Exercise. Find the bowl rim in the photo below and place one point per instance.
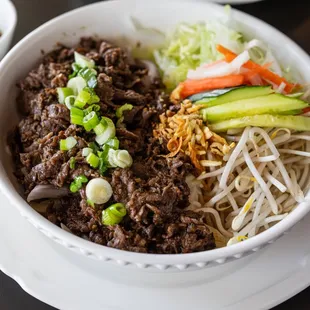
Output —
(13, 21)
(107, 253)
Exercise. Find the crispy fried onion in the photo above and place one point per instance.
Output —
(186, 132)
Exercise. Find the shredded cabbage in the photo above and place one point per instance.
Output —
(190, 45)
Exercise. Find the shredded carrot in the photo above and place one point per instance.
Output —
(263, 71)
(190, 87)
(305, 110)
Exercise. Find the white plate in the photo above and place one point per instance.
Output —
(39, 266)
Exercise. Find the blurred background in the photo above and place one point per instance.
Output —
(291, 17)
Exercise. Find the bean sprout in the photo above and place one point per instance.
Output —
(260, 181)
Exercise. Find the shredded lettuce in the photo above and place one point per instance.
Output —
(190, 45)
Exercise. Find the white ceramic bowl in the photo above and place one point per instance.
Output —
(111, 20)
(8, 19)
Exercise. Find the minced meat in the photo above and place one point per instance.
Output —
(153, 189)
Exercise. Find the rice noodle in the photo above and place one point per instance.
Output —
(271, 200)
(233, 157)
(261, 180)
(218, 221)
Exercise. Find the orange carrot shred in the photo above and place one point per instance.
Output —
(262, 70)
(191, 87)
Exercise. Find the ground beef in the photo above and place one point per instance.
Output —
(153, 189)
(156, 194)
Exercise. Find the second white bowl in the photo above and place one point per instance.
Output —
(8, 20)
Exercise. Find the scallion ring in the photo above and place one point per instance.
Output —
(98, 191)
(82, 99)
(111, 158)
(119, 158)
(67, 144)
(113, 143)
(105, 130)
(77, 84)
(72, 163)
(90, 121)
(120, 110)
(109, 219)
(69, 101)
(76, 68)
(93, 146)
(76, 116)
(83, 61)
(63, 93)
(113, 215)
(93, 160)
(78, 183)
(86, 151)
(90, 76)
(118, 209)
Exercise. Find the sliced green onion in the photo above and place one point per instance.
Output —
(76, 116)
(93, 107)
(103, 156)
(96, 107)
(69, 101)
(118, 209)
(76, 68)
(90, 121)
(119, 158)
(63, 93)
(67, 144)
(113, 143)
(114, 214)
(120, 110)
(78, 183)
(86, 151)
(111, 158)
(109, 219)
(74, 187)
(105, 130)
(72, 163)
(98, 190)
(76, 84)
(83, 61)
(105, 152)
(90, 76)
(81, 179)
(93, 146)
(123, 159)
(82, 99)
(93, 160)
(86, 73)
(94, 97)
(103, 167)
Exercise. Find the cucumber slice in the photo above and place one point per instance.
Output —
(211, 94)
(300, 123)
(269, 104)
(237, 93)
